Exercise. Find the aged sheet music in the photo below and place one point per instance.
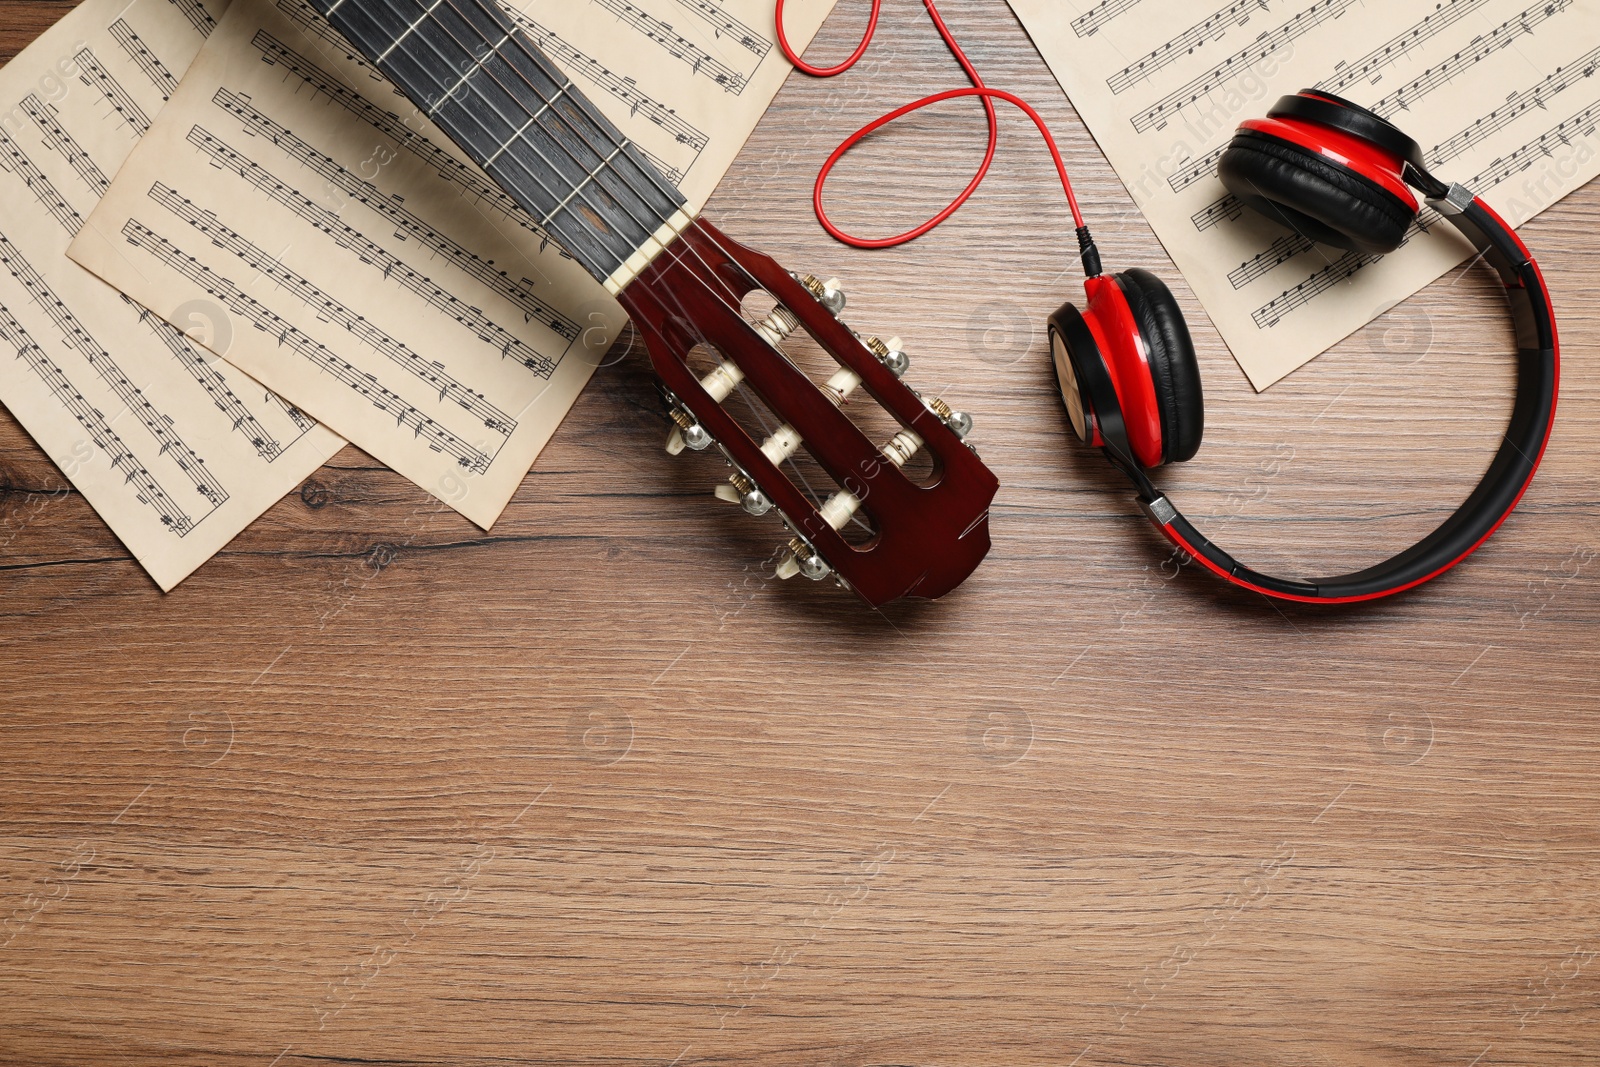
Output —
(176, 450)
(1501, 95)
(373, 276)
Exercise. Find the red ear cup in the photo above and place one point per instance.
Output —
(1326, 168)
(1123, 347)
(1174, 370)
(1127, 370)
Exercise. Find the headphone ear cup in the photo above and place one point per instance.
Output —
(1173, 366)
(1327, 201)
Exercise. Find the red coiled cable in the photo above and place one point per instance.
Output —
(978, 89)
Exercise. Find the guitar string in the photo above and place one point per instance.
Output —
(519, 39)
(516, 37)
(674, 251)
(581, 190)
(676, 248)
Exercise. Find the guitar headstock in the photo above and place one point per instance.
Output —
(927, 535)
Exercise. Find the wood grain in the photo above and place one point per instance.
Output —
(376, 786)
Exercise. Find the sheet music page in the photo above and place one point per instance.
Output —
(1500, 94)
(368, 271)
(175, 449)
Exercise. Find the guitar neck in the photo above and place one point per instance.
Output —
(471, 70)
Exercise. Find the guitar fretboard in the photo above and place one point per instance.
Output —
(485, 83)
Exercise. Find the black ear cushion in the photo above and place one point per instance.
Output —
(1326, 201)
(1173, 365)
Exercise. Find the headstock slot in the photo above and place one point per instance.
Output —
(928, 537)
(802, 467)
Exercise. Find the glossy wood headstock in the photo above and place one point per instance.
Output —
(927, 537)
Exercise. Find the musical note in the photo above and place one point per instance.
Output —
(1517, 105)
(95, 76)
(197, 15)
(1441, 74)
(1397, 48)
(436, 437)
(1088, 23)
(144, 59)
(676, 45)
(682, 133)
(192, 360)
(1227, 209)
(363, 192)
(64, 144)
(332, 310)
(1202, 85)
(1339, 271)
(725, 25)
(1581, 125)
(1165, 92)
(296, 416)
(16, 161)
(160, 426)
(1274, 256)
(306, 17)
(1212, 28)
(370, 253)
(146, 489)
(1204, 167)
(441, 162)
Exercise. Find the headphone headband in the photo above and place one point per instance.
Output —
(1325, 109)
(1502, 486)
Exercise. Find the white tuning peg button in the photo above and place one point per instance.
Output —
(726, 376)
(838, 510)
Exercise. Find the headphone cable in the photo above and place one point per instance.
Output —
(1086, 245)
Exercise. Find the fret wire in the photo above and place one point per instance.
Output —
(586, 181)
(675, 251)
(523, 129)
(538, 58)
(476, 66)
(483, 65)
(578, 100)
(480, 64)
(409, 30)
(581, 101)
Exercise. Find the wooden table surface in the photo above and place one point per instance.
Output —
(375, 786)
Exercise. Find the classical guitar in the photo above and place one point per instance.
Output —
(477, 76)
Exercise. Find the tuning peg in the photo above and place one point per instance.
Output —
(830, 294)
(960, 422)
(802, 559)
(726, 376)
(889, 354)
(838, 510)
(741, 489)
(688, 433)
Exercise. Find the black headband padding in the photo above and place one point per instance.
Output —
(1513, 464)
(1327, 202)
(1325, 109)
(1173, 365)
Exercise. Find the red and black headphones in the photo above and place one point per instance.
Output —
(1336, 173)
(1343, 176)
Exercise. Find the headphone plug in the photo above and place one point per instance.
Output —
(1090, 253)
